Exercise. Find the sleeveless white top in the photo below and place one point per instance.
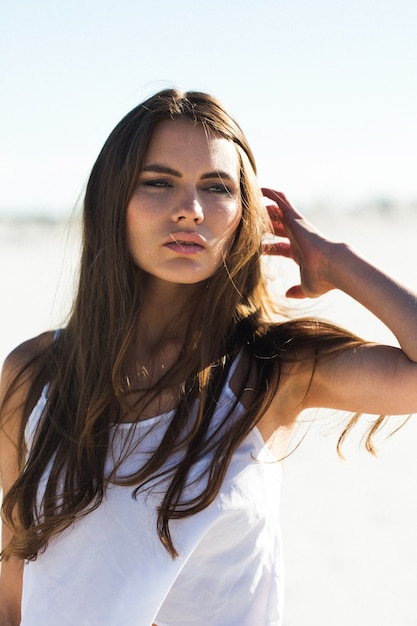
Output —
(110, 568)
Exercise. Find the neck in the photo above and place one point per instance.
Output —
(162, 326)
(165, 312)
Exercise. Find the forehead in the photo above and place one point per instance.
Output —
(188, 142)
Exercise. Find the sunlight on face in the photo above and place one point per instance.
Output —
(185, 209)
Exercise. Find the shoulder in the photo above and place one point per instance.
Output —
(17, 372)
(31, 348)
(15, 385)
(284, 354)
(279, 369)
(25, 353)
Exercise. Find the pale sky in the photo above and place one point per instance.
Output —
(326, 90)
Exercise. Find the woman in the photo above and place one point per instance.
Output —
(139, 443)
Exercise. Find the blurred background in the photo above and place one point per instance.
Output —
(326, 92)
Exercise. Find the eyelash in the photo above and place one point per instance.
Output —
(164, 184)
(156, 183)
(218, 188)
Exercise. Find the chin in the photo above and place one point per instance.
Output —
(179, 280)
(186, 278)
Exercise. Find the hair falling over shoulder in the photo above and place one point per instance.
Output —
(83, 367)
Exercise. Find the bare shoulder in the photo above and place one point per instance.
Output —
(26, 352)
(17, 362)
(289, 399)
(294, 379)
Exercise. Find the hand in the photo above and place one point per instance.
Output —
(303, 243)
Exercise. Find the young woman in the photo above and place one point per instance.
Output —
(139, 443)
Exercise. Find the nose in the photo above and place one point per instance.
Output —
(188, 208)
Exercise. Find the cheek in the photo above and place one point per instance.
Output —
(136, 229)
(130, 229)
(235, 217)
(137, 218)
(231, 227)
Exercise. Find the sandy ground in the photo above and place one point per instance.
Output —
(348, 525)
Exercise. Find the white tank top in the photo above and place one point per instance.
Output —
(110, 568)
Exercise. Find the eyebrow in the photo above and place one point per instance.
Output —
(164, 169)
(217, 174)
(161, 169)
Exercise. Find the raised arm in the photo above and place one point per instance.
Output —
(372, 379)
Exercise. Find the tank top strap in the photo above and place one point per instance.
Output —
(233, 369)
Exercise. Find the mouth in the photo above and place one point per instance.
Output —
(186, 243)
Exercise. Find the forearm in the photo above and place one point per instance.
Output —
(8, 619)
(391, 302)
(10, 592)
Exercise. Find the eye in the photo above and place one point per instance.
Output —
(157, 183)
(217, 188)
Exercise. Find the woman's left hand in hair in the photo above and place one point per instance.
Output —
(326, 264)
(302, 242)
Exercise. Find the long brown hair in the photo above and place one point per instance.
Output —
(84, 365)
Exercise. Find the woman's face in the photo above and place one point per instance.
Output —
(184, 211)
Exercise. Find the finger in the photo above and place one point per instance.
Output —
(279, 229)
(272, 194)
(296, 292)
(279, 248)
(277, 220)
(286, 207)
(274, 212)
(276, 196)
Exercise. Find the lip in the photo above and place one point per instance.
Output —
(187, 238)
(185, 243)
